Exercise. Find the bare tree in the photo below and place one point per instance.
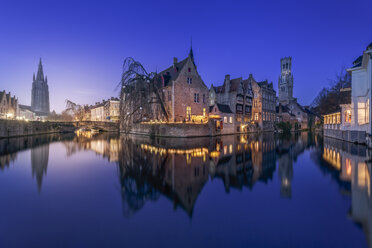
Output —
(141, 97)
(329, 98)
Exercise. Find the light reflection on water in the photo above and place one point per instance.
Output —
(102, 173)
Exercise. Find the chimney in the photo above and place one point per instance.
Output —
(227, 83)
(175, 61)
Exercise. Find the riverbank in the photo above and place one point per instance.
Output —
(17, 128)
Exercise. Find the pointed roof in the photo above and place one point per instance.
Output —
(40, 73)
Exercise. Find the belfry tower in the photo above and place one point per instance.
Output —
(285, 84)
(40, 92)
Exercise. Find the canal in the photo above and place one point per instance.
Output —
(104, 190)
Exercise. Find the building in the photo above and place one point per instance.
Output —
(183, 93)
(8, 106)
(237, 94)
(264, 103)
(285, 86)
(285, 83)
(40, 93)
(97, 112)
(352, 123)
(25, 113)
(112, 110)
(223, 118)
(107, 110)
(361, 82)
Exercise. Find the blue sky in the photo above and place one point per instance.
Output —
(83, 43)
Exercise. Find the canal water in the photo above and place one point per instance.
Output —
(102, 190)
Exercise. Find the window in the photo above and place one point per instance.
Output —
(363, 112)
(189, 80)
(196, 97)
(230, 119)
(225, 119)
(239, 98)
(264, 116)
(256, 116)
(203, 112)
(189, 69)
(169, 95)
(188, 112)
(247, 109)
(347, 115)
(239, 108)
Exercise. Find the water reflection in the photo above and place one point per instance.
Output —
(350, 166)
(179, 169)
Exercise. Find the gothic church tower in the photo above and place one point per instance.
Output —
(285, 84)
(40, 92)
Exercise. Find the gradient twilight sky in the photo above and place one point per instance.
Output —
(83, 43)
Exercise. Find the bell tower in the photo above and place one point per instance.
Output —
(285, 84)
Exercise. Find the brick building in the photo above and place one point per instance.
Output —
(8, 106)
(182, 92)
(237, 94)
(264, 104)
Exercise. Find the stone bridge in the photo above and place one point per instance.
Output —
(91, 125)
(13, 128)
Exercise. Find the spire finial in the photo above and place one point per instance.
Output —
(40, 73)
(191, 54)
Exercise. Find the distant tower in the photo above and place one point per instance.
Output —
(285, 84)
(40, 92)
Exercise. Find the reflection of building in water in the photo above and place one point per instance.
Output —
(179, 168)
(5, 160)
(39, 163)
(105, 144)
(178, 174)
(242, 160)
(349, 161)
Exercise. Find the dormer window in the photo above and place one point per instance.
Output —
(189, 80)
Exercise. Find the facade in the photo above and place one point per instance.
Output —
(285, 83)
(184, 95)
(264, 104)
(237, 94)
(8, 106)
(40, 93)
(25, 113)
(97, 112)
(223, 118)
(107, 110)
(304, 117)
(111, 109)
(353, 123)
(361, 82)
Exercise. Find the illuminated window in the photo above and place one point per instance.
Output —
(256, 116)
(203, 112)
(363, 112)
(225, 119)
(347, 115)
(188, 112)
(231, 119)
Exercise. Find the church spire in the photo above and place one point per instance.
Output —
(191, 54)
(40, 73)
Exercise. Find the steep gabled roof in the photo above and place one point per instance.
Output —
(222, 108)
(171, 73)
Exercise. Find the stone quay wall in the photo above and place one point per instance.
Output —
(14, 128)
(180, 130)
(346, 135)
